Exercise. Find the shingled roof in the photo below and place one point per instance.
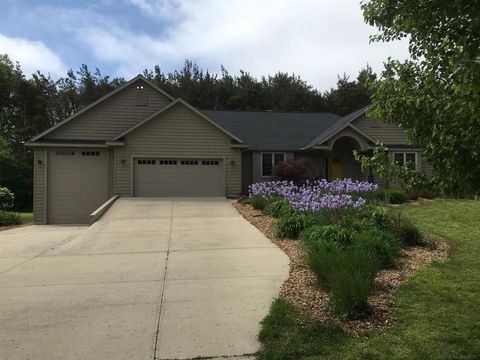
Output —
(270, 130)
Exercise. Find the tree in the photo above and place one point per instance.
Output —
(434, 95)
(350, 96)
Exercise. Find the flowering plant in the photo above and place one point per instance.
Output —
(315, 196)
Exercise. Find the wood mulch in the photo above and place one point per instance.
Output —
(303, 290)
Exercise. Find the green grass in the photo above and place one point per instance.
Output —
(27, 217)
(436, 314)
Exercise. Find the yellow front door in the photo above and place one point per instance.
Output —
(336, 168)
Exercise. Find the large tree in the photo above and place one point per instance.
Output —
(434, 95)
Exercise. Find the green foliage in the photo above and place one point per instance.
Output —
(351, 281)
(406, 231)
(395, 196)
(330, 233)
(380, 245)
(6, 198)
(287, 334)
(279, 206)
(9, 218)
(443, 293)
(322, 256)
(291, 225)
(434, 95)
(258, 202)
(384, 166)
(350, 96)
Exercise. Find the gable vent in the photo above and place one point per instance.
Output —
(141, 99)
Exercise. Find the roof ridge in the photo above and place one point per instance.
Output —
(272, 112)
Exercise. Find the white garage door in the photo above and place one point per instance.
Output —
(178, 177)
(77, 184)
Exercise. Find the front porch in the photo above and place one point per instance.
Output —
(336, 161)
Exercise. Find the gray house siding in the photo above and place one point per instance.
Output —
(177, 133)
(386, 133)
(112, 116)
(39, 185)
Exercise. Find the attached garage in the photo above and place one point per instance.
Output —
(178, 177)
(77, 184)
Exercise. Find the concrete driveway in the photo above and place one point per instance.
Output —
(155, 278)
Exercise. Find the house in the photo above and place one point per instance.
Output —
(139, 141)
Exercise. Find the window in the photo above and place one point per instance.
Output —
(146, 162)
(189, 162)
(269, 160)
(90, 153)
(409, 159)
(210, 162)
(167, 162)
(65, 153)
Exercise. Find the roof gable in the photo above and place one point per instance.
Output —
(102, 100)
(169, 106)
(339, 126)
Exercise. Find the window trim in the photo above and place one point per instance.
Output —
(272, 153)
(404, 154)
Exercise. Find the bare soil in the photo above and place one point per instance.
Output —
(303, 290)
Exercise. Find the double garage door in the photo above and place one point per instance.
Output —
(178, 177)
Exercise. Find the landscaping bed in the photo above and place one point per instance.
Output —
(302, 288)
(306, 289)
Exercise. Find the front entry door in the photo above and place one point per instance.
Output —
(335, 168)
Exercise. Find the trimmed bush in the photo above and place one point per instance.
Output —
(291, 225)
(396, 196)
(278, 207)
(9, 218)
(332, 233)
(381, 245)
(351, 283)
(258, 202)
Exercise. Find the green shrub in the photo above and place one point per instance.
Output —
(258, 202)
(332, 233)
(374, 216)
(380, 244)
(407, 232)
(351, 283)
(396, 196)
(291, 225)
(9, 218)
(6, 198)
(372, 197)
(322, 257)
(278, 207)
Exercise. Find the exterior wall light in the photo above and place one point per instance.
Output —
(232, 162)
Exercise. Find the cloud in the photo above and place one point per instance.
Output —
(32, 55)
(316, 39)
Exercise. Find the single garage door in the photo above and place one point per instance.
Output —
(77, 184)
(178, 177)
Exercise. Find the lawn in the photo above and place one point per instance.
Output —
(436, 314)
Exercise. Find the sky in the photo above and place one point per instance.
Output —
(315, 39)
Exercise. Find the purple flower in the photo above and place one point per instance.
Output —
(315, 196)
